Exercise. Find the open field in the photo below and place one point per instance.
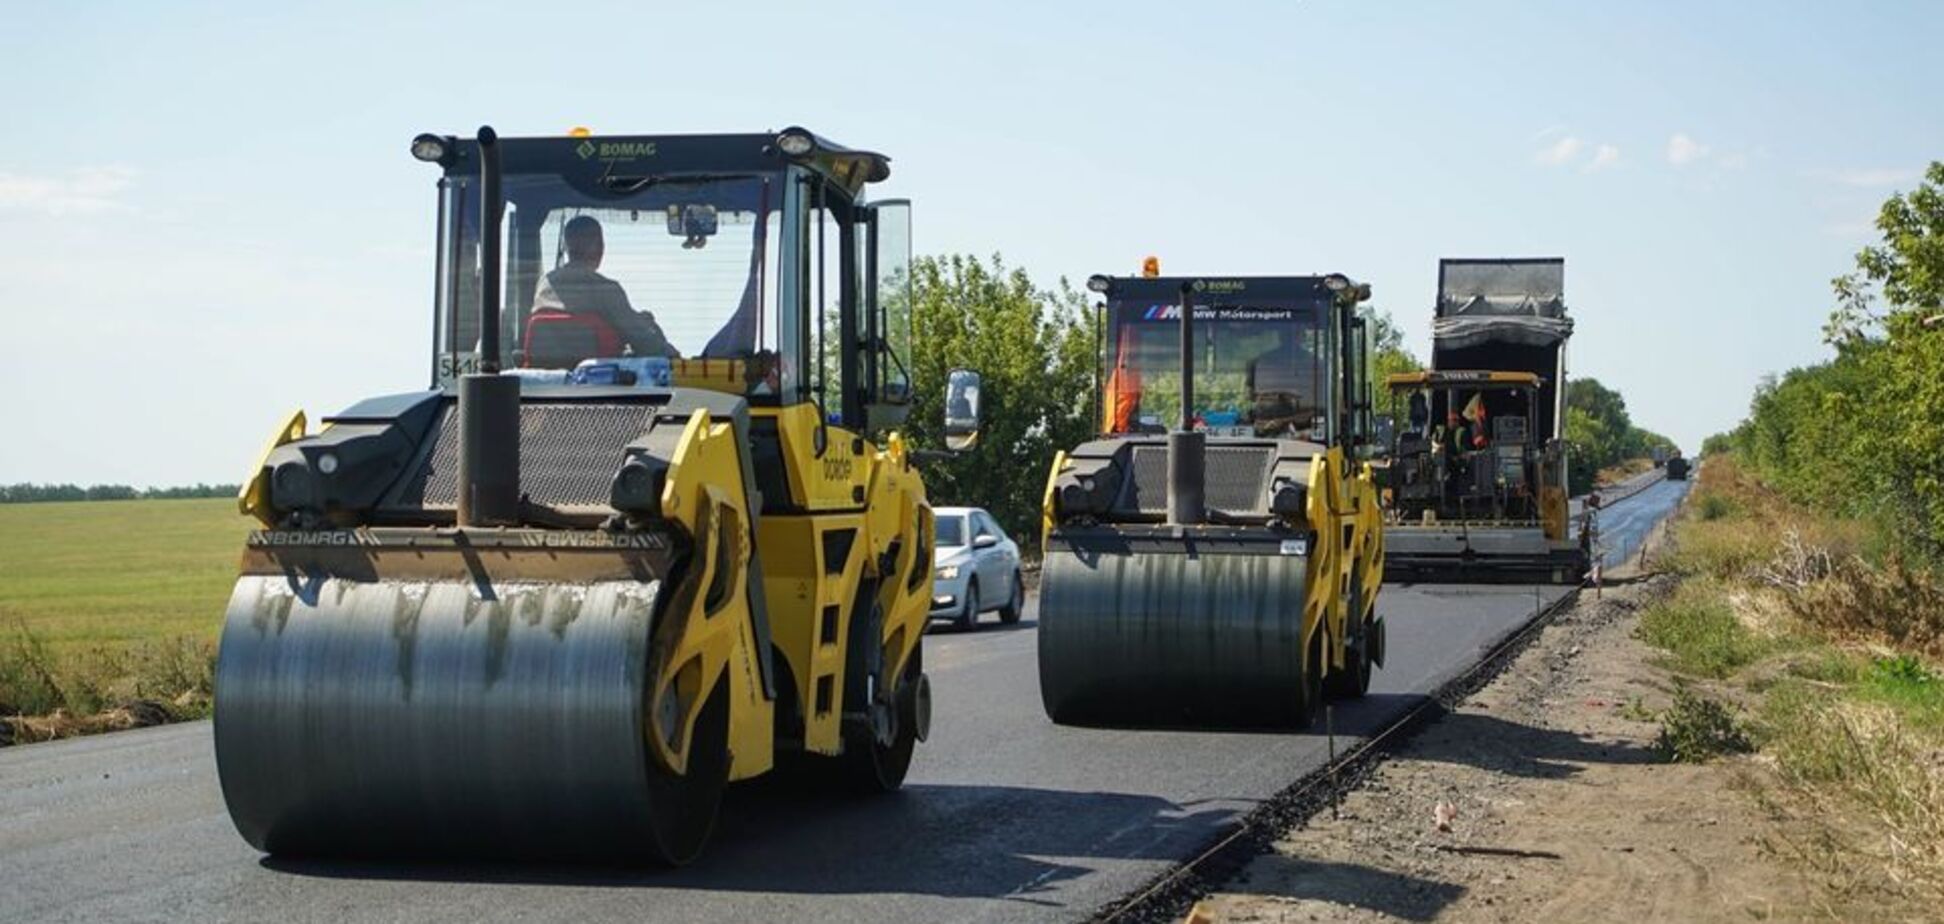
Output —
(112, 573)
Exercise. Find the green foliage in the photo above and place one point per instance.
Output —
(1600, 433)
(1035, 349)
(1863, 434)
(1387, 353)
(1696, 729)
(1700, 632)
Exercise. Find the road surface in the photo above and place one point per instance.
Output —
(1006, 817)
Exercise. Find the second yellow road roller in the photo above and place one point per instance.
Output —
(1214, 557)
(648, 530)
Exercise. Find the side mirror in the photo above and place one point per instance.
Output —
(985, 541)
(962, 410)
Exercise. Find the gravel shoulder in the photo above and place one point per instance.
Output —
(1558, 807)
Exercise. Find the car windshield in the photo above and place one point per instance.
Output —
(1259, 370)
(951, 532)
(679, 267)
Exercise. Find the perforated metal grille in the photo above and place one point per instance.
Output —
(568, 454)
(1237, 479)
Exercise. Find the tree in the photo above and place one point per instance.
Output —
(1036, 351)
(1862, 434)
(1387, 353)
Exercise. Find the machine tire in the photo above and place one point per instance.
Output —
(1010, 613)
(1310, 697)
(968, 618)
(872, 767)
(684, 807)
(1354, 680)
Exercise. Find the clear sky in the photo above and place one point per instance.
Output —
(208, 216)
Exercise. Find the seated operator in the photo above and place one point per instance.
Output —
(1281, 382)
(577, 287)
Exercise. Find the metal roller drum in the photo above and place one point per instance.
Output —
(1167, 637)
(384, 716)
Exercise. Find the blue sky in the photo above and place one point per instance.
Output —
(208, 216)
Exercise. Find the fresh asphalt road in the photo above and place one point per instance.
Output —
(1006, 817)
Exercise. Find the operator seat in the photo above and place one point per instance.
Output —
(558, 339)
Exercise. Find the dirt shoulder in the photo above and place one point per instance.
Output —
(1560, 807)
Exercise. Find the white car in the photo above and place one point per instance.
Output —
(977, 568)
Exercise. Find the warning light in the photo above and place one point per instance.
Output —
(580, 131)
(1151, 267)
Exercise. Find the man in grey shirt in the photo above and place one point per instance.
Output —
(577, 287)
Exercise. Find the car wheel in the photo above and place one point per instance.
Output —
(969, 618)
(1009, 614)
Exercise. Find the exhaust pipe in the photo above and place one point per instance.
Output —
(1186, 445)
(489, 401)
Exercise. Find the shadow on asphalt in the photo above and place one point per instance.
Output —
(981, 842)
(988, 623)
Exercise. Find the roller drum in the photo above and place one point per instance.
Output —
(1168, 637)
(367, 717)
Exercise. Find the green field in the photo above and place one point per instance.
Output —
(112, 573)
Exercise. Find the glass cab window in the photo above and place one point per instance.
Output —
(682, 269)
(1259, 370)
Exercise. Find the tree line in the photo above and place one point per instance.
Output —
(1600, 433)
(35, 493)
(1861, 434)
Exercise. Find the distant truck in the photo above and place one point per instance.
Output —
(1477, 468)
(1677, 467)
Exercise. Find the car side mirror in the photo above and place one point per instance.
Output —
(962, 411)
(985, 541)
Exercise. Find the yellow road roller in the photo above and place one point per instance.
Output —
(648, 530)
(1213, 558)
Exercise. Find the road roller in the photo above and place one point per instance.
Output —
(648, 530)
(1213, 557)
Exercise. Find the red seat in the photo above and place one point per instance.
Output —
(561, 339)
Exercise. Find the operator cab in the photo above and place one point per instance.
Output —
(1264, 364)
(749, 264)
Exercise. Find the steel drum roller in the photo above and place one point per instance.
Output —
(1166, 636)
(394, 715)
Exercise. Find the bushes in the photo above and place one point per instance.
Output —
(1700, 632)
(1696, 729)
(44, 695)
(1862, 435)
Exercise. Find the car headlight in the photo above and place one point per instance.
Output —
(948, 573)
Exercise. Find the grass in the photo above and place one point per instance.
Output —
(1837, 644)
(89, 573)
(1701, 633)
(109, 611)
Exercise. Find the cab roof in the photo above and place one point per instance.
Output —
(1208, 289)
(1454, 377)
(594, 156)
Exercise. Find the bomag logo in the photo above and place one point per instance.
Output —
(615, 150)
(1219, 285)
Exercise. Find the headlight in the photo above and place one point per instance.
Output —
(948, 573)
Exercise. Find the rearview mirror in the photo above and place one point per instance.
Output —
(961, 409)
(695, 221)
(985, 541)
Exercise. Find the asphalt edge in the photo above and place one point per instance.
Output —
(1170, 895)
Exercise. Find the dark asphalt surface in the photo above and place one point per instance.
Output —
(1006, 817)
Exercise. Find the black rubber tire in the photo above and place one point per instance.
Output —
(968, 617)
(1354, 680)
(874, 767)
(684, 807)
(1010, 613)
(1309, 705)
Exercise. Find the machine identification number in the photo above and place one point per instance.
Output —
(837, 468)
